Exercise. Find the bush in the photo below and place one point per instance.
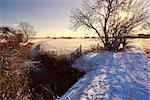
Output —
(14, 66)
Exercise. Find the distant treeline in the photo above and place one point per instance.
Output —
(133, 36)
(57, 37)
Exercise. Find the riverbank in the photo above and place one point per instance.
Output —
(23, 78)
(46, 76)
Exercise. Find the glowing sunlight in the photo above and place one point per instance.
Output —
(125, 15)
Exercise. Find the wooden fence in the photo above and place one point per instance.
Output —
(76, 54)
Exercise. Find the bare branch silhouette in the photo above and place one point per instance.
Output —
(112, 20)
(27, 30)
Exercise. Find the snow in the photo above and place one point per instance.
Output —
(73, 44)
(68, 44)
(112, 76)
(45, 48)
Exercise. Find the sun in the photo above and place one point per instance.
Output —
(122, 15)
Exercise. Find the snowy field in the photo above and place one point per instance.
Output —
(72, 44)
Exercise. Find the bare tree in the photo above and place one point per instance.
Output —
(27, 30)
(112, 20)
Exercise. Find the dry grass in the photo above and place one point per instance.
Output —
(97, 48)
(19, 80)
(13, 68)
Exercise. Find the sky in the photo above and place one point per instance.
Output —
(49, 17)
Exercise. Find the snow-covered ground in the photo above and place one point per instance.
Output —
(112, 76)
(73, 44)
(141, 43)
(68, 44)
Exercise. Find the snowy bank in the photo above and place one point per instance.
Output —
(45, 48)
(112, 76)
